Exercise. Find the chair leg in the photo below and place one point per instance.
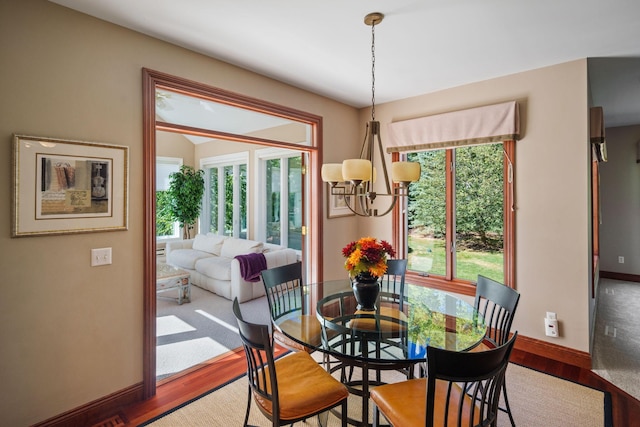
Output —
(506, 404)
(323, 419)
(507, 407)
(353, 350)
(376, 416)
(246, 415)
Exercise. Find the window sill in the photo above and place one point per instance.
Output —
(462, 287)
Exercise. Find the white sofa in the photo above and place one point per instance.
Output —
(210, 261)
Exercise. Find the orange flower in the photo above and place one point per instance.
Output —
(367, 255)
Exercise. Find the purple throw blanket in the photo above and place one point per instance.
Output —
(251, 265)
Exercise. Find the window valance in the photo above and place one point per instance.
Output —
(474, 126)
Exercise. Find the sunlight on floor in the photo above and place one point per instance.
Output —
(168, 325)
(178, 356)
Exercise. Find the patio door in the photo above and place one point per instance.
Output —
(281, 207)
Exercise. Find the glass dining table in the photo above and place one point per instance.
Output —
(393, 337)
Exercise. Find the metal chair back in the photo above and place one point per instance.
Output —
(283, 287)
(497, 304)
(480, 374)
(392, 286)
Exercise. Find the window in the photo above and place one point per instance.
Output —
(165, 227)
(456, 226)
(225, 204)
(280, 217)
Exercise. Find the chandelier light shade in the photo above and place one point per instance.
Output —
(354, 178)
(332, 172)
(405, 172)
(356, 170)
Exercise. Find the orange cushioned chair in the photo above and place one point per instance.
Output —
(300, 388)
(461, 389)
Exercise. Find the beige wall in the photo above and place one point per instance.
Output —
(552, 187)
(169, 144)
(620, 201)
(72, 333)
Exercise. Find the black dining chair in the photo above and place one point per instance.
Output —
(461, 389)
(290, 389)
(283, 287)
(392, 288)
(497, 304)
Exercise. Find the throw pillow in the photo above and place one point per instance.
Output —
(233, 247)
(211, 243)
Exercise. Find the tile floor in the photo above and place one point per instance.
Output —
(616, 345)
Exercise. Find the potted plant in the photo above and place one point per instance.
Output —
(186, 189)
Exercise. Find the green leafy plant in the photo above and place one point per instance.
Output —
(186, 189)
(164, 219)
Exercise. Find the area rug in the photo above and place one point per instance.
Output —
(536, 400)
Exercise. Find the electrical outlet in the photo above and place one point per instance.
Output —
(101, 256)
(620, 260)
(551, 324)
(551, 327)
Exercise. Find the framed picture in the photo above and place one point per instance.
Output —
(337, 205)
(62, 186)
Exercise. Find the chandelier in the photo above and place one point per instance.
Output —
(353, 178)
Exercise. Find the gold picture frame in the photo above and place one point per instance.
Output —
(337, 206)
(64, 186)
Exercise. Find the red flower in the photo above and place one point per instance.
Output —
(367, 255)
(346, 251)
(388, 248)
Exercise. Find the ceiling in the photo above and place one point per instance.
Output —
(422, 46)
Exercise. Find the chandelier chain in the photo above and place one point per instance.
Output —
(355, 177)
(373, 70)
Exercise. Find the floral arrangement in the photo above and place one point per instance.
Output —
(367, 256)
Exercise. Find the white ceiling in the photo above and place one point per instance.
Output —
(422, 46)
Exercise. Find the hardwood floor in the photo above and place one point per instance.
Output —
(177, 390)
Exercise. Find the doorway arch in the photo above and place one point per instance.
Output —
(154, 80)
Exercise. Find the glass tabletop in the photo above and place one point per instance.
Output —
(398, 329)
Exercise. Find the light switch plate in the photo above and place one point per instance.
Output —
(101, 256)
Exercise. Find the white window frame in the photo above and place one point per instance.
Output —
(235, 160)
(261, 158)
